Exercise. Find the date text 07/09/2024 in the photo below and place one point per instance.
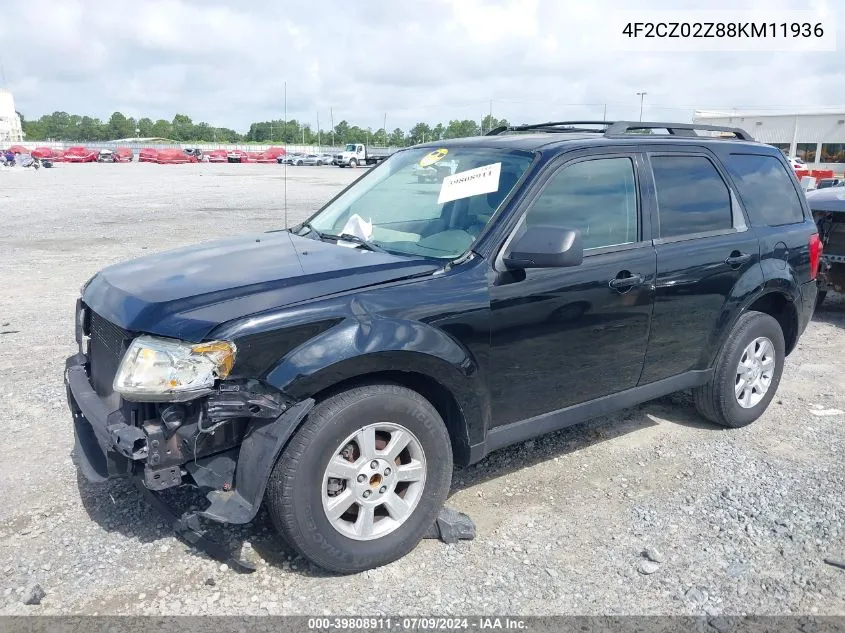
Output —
(417, 623)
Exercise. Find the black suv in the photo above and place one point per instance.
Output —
(337, 370)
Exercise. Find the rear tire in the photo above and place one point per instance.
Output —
(746, 374)
(401, 508)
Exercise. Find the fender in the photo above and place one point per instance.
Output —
(757, 282)
(371, 343)
(433, 329)
(257, 455)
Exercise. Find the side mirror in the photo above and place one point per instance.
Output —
(546, 247)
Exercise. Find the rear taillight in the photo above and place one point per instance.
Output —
(815, 254)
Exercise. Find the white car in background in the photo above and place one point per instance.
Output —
(797, 163)
(317, 159)
(436, 172)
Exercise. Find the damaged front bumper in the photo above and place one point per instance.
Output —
(225, 443)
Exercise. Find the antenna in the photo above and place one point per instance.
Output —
(285, 178)
(285, 162)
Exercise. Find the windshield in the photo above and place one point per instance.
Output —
(350, 147)
(424, 202)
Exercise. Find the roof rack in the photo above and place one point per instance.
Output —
(620, 128)
(615, 129)
(549, 126)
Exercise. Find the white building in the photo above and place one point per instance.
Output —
(817, 137)
(10, 122)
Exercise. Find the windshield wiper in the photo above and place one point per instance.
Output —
(307, 225)
(348, 237)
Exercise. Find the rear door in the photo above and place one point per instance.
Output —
(704, 247)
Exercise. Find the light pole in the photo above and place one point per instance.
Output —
(641, 95)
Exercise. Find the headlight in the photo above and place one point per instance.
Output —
(161, 369)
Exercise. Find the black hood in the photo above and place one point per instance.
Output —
(185, 293)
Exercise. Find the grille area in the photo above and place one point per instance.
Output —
(105, 350)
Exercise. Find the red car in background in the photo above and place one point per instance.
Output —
(123, 155)
(237, 156)
(163, 156)
(269, 155)
(172, 157)
(56, 155)
(147, 155)
(81, 154)
(217, 156)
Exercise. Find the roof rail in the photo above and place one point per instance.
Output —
(549, 126)
(614, 129)
(620, 128)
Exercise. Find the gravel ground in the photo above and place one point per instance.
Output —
(651, 511)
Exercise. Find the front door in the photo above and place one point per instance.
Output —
(563, 336)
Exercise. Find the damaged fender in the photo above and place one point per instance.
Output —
(255, 460)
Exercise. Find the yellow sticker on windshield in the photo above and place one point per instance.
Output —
(433, 157)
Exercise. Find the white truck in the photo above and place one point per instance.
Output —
(355, 154)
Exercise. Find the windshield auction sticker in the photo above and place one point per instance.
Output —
(432, 157)
(472, 182)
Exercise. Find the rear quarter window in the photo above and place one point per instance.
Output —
(766, 189)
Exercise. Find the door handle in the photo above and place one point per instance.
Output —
(624, 281)
(737, 259)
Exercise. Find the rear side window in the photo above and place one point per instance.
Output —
(692, 197)
(766, 189)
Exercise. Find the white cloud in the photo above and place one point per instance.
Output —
(487, 23)
(227, 63)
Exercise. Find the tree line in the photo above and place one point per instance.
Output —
(61, 126)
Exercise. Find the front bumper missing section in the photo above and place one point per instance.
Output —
(187, 527)
(107, 447)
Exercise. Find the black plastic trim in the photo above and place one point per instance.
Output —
(258, 454)
(502, 436)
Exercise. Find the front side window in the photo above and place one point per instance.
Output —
(426, 202)
(692, 197)
(597, 197)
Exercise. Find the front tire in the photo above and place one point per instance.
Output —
(747, 372)
(363, 479)
(353, 163)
